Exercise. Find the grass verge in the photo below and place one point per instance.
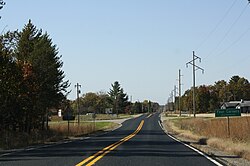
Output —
(214, 132)
(89, 117)
(57, 131)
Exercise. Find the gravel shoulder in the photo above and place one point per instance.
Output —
(222, 157)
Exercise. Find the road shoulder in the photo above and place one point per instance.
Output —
(222, 157)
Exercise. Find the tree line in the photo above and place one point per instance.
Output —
(31, 79)
(208, 98)
(116, 101)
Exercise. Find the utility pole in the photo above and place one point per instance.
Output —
(179, 80)
(78, 86)
(171, 101)
(175, 88)
(148, 106)
(195, 67)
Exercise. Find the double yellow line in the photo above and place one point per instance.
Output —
(97, 156)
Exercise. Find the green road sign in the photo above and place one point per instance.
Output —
(227, 112)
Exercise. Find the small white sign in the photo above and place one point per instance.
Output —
(60, 113)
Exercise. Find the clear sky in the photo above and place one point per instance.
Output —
(141, 43)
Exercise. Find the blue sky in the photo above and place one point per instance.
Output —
(141, 43)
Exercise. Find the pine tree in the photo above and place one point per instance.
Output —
(10, 78)
(42, 66)
(31, 78)
(119, 98)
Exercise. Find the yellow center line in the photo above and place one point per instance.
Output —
(112, 148)
(97, 156)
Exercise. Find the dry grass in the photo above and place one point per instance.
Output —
(112, 116)
(89, 117)
(74, 129)
(217, 127)
(172, 128)
(83, 129)
(10, 140)
(57, 131)
(240, 149)
(215, 133)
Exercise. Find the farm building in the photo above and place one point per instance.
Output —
(244, 106)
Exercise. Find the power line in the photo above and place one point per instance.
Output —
(195, 67)
(4, 29)
(234, 42)
(242, 60)
(228, 31)
(217, 25)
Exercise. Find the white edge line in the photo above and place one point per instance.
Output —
(5, 154)
(42, 146)
(120, 125)
(194, 149)
(160, 125)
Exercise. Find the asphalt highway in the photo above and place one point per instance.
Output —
(140, 141)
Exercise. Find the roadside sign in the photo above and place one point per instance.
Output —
(60, 113)
(227, 112)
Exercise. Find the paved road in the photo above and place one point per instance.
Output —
(140, 141)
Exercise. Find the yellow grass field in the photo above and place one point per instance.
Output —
(239, 127)
(83, 129)
(215, 132)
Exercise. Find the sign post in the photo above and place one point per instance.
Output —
(227, 113)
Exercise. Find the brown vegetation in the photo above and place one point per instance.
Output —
(57, 131)
(239, 128)
(84, 128)
(214, 132)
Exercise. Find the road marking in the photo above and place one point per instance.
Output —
(40, 147)
(160, 125)
(194, 149)
(5, 154)
(30, 149)
(97, 156)
(197, 151)
(149, 116)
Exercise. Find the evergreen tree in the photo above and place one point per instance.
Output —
(119, 98)
(48, 86)
(31, 79)
(9, 90)
(137, 107)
